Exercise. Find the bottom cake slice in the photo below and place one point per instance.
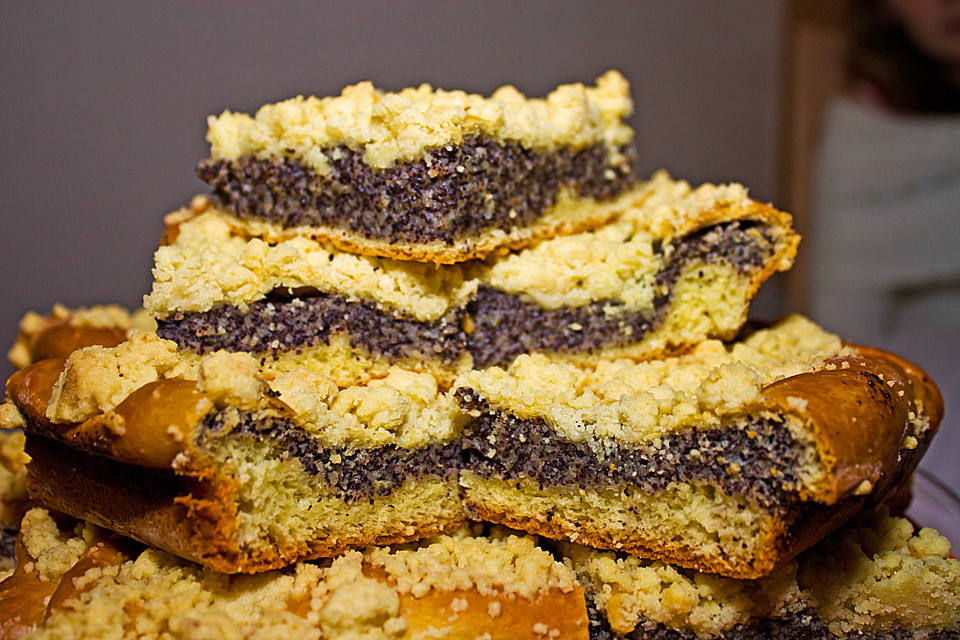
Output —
(875, 578)
(77, 581)
(730, 459)
(222, 466)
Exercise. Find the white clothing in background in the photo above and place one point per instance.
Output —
(885, 249)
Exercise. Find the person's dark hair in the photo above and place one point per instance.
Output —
(882, 53)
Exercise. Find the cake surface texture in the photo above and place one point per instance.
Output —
(737, 446)
(876, 577)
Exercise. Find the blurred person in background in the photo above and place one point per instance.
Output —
(885, 247)
(905, 55)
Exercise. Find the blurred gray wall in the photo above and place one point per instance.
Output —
(103, 104)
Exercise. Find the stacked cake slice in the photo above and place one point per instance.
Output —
(726, 459)
(677, 266)
(397, 314)
(231, 470)
(423, 174)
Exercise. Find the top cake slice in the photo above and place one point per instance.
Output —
(425, 174)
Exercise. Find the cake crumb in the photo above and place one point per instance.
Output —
(864, 488)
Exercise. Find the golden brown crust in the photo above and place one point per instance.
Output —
(104, 553)
(77, 483)
(30, 389)
(924, 389)
(61, 339)
(152, 425)
(188, 518)
(865, 412)
(453, 615)
(149, 428)
(26, 594)
(451, 587)
(23, 597)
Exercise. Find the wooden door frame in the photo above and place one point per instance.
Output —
(812, 71)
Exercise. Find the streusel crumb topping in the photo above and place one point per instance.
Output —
(394, 127)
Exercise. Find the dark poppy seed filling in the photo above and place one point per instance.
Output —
(291, 324)
(453, 192)
(355, 473)
(8, 544)
(756, 458)
(502, 325)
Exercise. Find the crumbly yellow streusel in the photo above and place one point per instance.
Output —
(393, 127)
(875, 575)
(402, 408)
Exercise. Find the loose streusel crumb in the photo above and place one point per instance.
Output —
(635, 402)
(394, 127)
(210, 264)
(52, 552)
(163, 597)
(402, 408)
(96, 379)
(512, 565)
